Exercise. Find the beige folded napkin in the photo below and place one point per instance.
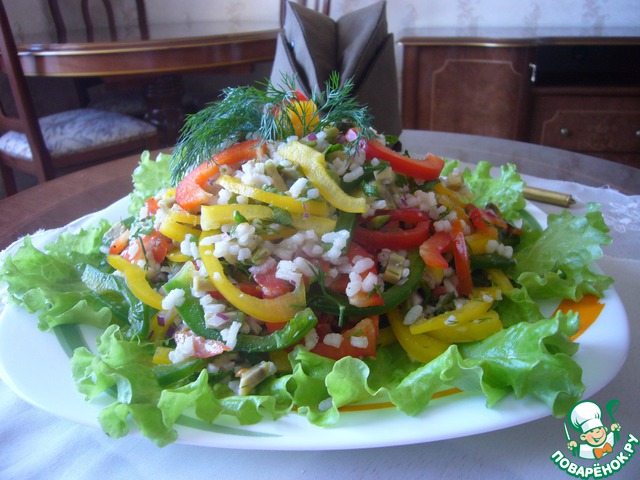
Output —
(358, 46)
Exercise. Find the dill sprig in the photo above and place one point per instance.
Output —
(249, 111)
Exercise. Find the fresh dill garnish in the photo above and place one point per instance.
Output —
(249, 111)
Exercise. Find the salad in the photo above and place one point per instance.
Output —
(288, 259)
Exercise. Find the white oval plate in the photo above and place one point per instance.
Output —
(36, 366)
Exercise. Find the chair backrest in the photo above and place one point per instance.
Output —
(89, 8)
(322, 6)
(26, 120)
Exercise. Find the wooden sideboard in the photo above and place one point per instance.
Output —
(576, 90)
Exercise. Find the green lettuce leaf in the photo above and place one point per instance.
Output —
(51, 286)
(505, 190)
(149, 178)
(556, 262)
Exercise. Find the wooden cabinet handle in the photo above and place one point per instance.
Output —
(565, 132)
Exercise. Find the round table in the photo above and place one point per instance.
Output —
(520, 452)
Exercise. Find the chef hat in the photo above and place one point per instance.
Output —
(585, 416)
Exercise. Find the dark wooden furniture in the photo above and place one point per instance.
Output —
(169, 51)
(41, 160)
(575, 90)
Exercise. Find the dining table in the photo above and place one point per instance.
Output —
(36, 443)
(159, 56)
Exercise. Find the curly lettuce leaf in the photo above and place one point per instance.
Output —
(125, 370)
(51, 285)
(556, 262)
(504, 190)
(149, 178)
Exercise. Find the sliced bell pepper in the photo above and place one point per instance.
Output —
(313, 165)
(423, 347)
(461, 259)
(393, 235)
(427, 169)
(214, 216)
(278, 309)
(175, 230)
(136, 279)
(473, 309)
(477, 329)
(311, 207)
(432, 248)
(190, 193)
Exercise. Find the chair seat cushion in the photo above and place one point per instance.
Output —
(133, 104)
(80, 130)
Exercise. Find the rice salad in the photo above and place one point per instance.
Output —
(314, 268)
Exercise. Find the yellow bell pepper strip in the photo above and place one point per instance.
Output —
(471, 310)
(214, 216)
(177, 256)
(423, 347)
(313, 166)
(187, 218)
(500, 279)
(136, 279)
(293, 205)
(472, 331)
(175, 230)
(277, 309)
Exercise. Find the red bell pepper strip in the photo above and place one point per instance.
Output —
(427, 169)
(486, 221)
(461, 259)
(431, 249)
(190, 193)
(392, 235)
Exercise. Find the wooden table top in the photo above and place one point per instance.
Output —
(58, 202)
(170, 48)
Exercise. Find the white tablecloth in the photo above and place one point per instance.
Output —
(36, 444)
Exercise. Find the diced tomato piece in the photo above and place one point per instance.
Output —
(362, 298)
(365, 328)
(152, 205)
(271, 285)
(202, 347)
(431, 249)
(156, 244)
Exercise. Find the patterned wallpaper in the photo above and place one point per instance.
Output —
(402, 14)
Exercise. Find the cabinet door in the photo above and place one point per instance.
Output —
(467, 89)
(606, 126)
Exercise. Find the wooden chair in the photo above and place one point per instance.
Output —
(113, 93)
(61, 142)
(322, 6)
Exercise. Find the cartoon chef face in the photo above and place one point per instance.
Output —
(586, 418)
(595, 437)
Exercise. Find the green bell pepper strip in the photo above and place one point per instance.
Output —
(174, 373)
(485, 261)
(192, 314)
(294, 331)
(394, 296)
(129, 312)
